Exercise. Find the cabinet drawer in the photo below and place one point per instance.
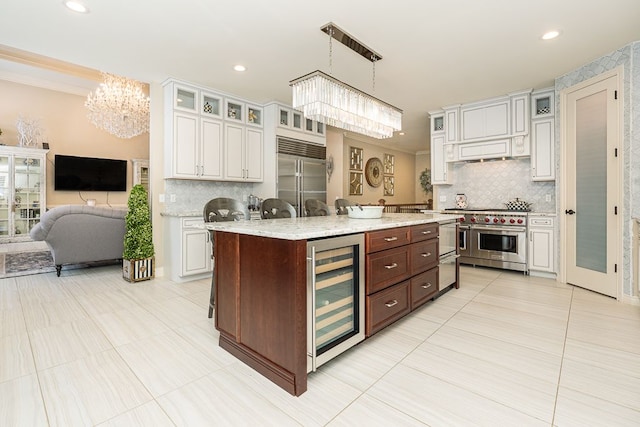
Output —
(385, 307)
(424, 255)
(424, 232)
(192, 222)
(540, 222)
(387, 268)
(423, 287)
(385, 239)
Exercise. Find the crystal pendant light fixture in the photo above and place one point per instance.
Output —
(328, 100)
(119, 106)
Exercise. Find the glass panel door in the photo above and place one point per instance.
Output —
(591, 182)
(28, 173)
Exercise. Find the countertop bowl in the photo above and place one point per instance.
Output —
(365, 212)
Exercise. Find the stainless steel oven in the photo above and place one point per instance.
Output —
(502, 247)
(493, 238)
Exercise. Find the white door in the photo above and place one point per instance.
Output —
(592, 226)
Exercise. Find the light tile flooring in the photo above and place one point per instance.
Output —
(505, 349)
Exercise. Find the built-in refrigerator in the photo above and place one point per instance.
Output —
(302, 172)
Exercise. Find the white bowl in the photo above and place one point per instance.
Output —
(365, 212)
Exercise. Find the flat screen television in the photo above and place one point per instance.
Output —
(73, 173)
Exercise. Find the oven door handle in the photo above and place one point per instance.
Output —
(515, 229)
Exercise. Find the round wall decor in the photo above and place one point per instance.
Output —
(373, 172)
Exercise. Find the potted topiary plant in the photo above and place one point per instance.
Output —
(138, 256)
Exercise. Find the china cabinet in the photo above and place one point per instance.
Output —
(22, 190)
(543, 164)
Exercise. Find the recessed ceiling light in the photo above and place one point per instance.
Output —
(401, 133)
(240, 68)
(550, 35)
(76, 6)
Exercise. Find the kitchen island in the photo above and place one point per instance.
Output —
(261, 281)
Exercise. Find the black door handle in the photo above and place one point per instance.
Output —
(570, 212)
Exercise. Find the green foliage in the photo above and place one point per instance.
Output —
(138, 239)
(425, 181)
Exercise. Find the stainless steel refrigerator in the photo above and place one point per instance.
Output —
(302, 172)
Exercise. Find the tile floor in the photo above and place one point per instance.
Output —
(505, 349)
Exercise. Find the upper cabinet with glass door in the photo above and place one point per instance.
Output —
(292, 123)
(211, 105)
(185, 98)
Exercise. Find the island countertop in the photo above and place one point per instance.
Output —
(304, 228)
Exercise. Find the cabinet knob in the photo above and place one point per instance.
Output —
(428, 254)
(389, 267)
(390, 239)
(391, 303)
(426, 232)
(427, 286)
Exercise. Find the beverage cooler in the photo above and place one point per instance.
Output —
(335, 297)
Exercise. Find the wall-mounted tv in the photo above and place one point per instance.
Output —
(73, 173)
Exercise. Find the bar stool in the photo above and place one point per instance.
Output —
(219, 210)
(315, 207)
(341, 206)
(276, 208)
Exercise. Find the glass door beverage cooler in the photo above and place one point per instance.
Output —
(335, 297)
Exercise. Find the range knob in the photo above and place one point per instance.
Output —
(462, 219)
(473, 219)
(486, 219)
(495, 220)
(520, 221)
(502, 220)
(512, 221)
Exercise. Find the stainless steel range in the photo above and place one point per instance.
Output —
(493, 238)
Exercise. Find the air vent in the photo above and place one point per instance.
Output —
(301, 148)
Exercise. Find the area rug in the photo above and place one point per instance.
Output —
(25, 263)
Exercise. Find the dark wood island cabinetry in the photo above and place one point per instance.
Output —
(261, 283)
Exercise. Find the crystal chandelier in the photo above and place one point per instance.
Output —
(326, 99)
(119, 106)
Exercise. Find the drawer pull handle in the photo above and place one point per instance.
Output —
(389, 267)
(427, 286)
(426, 232)
(390, 239)
(391, 303)
(428, 254)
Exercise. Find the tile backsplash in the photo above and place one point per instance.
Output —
(191, 195)
(491, 184)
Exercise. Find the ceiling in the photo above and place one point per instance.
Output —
(435, 53)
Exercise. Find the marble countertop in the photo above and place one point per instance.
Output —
(324, 226)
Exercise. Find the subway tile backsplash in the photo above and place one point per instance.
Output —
(491, 184)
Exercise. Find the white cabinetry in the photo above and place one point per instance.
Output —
(493, 128)
(440, 168)
(292, 124)
(190, 248)
(541, 244)
(201, 125)
(193, 133)
(243, 153)
(22, 190)
(485, 121)
(543, 165)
